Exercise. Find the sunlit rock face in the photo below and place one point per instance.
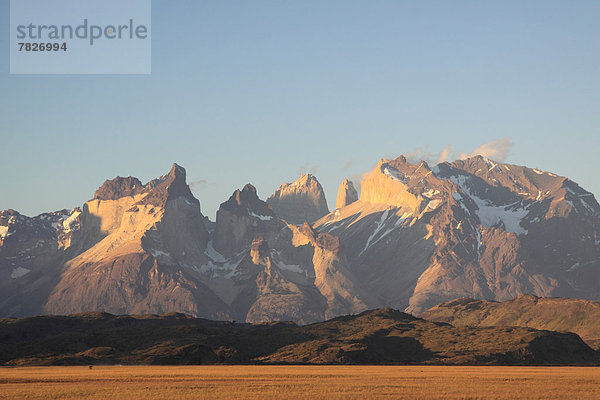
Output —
(151, 240)
(346, 194)
(131, 249)
(144, 248)
(300, 201)
(417, 236)
(421, 235)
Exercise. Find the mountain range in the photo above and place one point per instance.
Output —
(414, 237)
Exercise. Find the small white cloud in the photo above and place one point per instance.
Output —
(356, 179)
(198, 185)
(496, 149)
(444, 155)
(304, 169)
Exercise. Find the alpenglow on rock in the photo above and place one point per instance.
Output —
(422, 235)
(120, 253)
(346, 194)
(300, 201)
(144, 249)
(418, 236)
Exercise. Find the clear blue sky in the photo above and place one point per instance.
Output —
(257, 91)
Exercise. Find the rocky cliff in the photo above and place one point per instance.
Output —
(346, 194)
(300, 201)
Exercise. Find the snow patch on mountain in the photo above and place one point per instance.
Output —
(69, 221)
(386, 216)
(393, 173)
(159, 253)
(378, 228)
(290, 267)
(582, 198)
(227, 270)
(459, 199)
(19, 272)
(478, 245)
(574, 267)
(510, 216)
(491, 165)
(214, 254)
(433, 204)
(490, 214)
(261, 217)
(589, 208)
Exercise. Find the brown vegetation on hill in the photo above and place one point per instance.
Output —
(382, 336)
(564, 315)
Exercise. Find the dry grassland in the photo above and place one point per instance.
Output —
(300, 382)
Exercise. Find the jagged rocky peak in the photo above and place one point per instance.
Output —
(30, 249)
(176, 172)
(519, 179)
(168, 187)
(475, 163)
(398, 183)
(151, 240)
(400, 168)
(346, 195)
(506, 183)
(52, 224)
(246, 202)
(159, 191)
(241, 218)
(300, 201)
(119, 187)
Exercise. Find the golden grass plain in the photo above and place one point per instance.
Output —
(300, 382)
